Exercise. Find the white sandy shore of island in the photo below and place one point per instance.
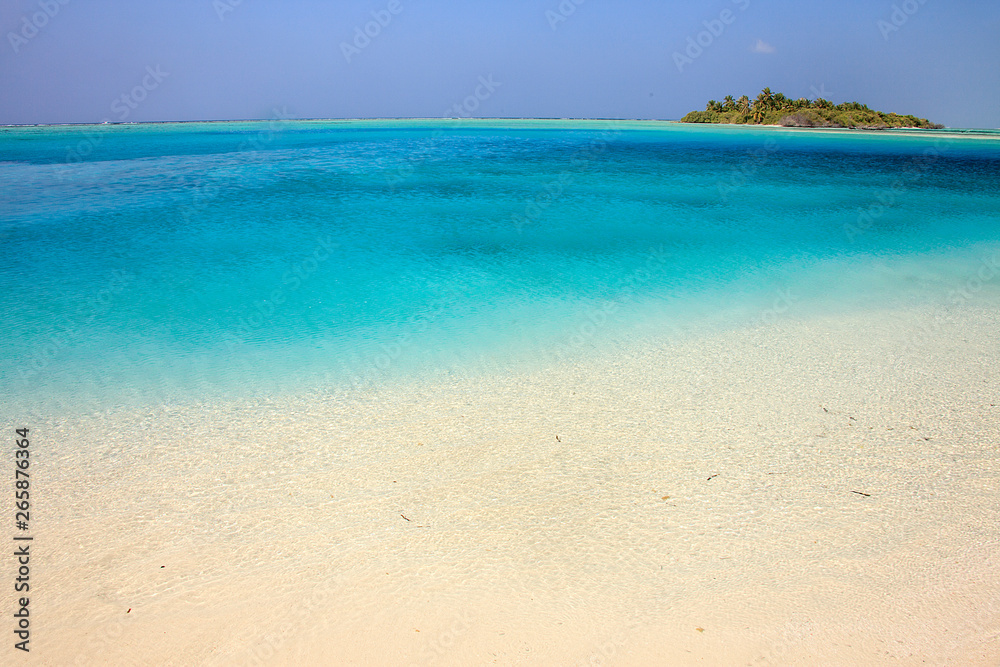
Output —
(821, 491)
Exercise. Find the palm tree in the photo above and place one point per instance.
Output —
(730, 104)
(743, 105)
(759, 104)
(766, 99)
(711, 105)
(758, 114)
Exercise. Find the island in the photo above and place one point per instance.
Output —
(776, 109)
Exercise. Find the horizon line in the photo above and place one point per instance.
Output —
(460, 120)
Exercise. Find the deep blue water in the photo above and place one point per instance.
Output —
(198, 261)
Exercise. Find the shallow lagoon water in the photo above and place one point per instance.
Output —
(192, 262)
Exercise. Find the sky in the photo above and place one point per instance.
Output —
(87, 61)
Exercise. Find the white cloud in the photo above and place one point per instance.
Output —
(762, 47)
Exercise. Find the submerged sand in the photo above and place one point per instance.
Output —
(821, 491)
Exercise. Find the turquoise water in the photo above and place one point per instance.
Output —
(197, 261)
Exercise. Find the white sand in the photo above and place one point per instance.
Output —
(272, 533)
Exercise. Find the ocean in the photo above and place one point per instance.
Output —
(196, 262)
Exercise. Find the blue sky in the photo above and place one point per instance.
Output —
(141, 60)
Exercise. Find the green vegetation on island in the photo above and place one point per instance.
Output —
(776, 109)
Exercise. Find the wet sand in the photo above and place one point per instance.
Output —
(819, 491)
